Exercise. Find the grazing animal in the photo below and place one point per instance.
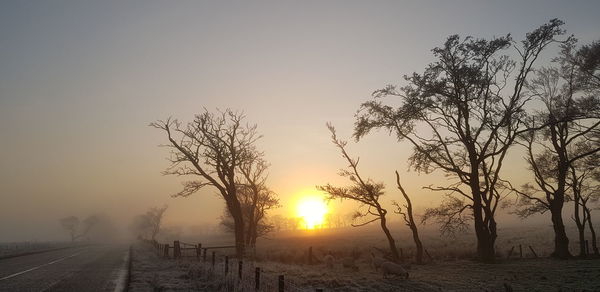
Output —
(376, 261)
(349, 263)
(393, 269)
(329, 260)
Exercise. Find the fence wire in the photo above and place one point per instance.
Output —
(230, 279)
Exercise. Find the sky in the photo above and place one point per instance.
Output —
(81, 80)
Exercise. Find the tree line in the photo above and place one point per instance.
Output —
(476, 101)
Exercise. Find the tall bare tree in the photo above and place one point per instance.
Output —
(211, 148)
(364, 191)
(409, 219)
(571, 132)
(461, 117)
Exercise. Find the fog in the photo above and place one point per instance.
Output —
(80, 82)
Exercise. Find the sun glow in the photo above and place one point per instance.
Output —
(312, 210)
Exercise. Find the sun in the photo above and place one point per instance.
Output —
(312, 210)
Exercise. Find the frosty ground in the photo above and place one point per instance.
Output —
(153, 273)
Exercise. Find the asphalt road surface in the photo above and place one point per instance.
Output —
(91, 268)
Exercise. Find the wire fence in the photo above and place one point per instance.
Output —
(216, 264)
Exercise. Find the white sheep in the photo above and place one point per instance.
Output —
(329, 260)
(376, 261)
(393, 269)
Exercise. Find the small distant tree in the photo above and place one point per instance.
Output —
(211, 148)
(364, 191)
(409, 219)
(148, 225)
(77, 228)
(293, 223)
(71, 224)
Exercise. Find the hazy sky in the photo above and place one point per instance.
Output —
(81, 80)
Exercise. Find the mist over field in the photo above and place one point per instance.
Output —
(341, 145)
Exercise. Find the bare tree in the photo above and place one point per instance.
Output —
(461, 117)
(409, 219)
(148, 225)
(254, 209)
(71, 224)
(571, 132)
(256, 197)
(211, 148)
(585, 189)
(77, 228)
(364, 191)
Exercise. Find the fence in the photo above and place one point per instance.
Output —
(235, 274)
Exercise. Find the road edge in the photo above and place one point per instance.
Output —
(124, 279)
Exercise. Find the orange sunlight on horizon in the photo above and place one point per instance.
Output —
(312, 210)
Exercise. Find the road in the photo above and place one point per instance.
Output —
(91, 268)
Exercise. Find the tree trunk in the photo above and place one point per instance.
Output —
(485, 230)
(390, 239)
(418, 243)
(561, 241)
(411, 221)
(238, 226)
(592, 231)
(580, 225)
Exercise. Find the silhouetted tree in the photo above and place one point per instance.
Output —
(211, 148)
(571, 119)
(409, 219)
(254, 208)
(148, 224)
(585, 189)
(255, 196)
(364, 191)
(461, 117)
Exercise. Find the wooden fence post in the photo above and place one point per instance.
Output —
(204, 255)
(520, 251)
(176, 249)
(240, 266)
(533, 251)
(226, 265)
(257, 278)
(213, 259)
(166, 250)
(198, 251)
(281, 284)
(510, 252)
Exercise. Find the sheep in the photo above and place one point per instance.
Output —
(329, 259)
(394, 269)
(376, 261)
(348, 262)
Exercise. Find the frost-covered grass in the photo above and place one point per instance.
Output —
(452, 269)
